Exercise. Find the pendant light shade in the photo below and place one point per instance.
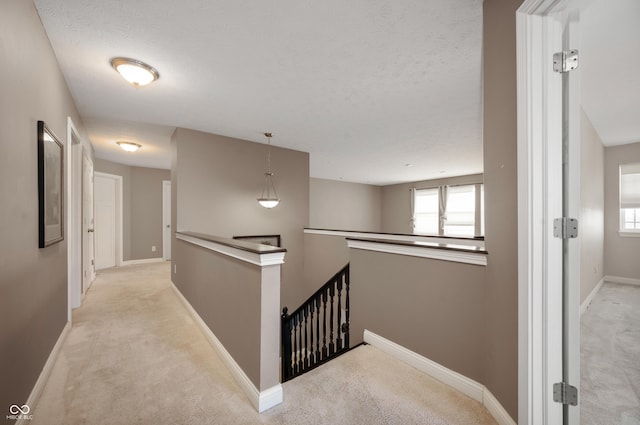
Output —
(269, 197)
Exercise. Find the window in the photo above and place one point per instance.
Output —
(449, 210)
(630, 198)
(426, 211)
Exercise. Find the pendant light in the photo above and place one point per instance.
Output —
(269, 197)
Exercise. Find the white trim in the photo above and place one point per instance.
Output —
(539, 109)
(629, 234)
(475, 258)
(623, 280)
(142, 261)
(587, 301)
(267, 259)
(443, 374)
(494, 407)
(261, 400)
(391, 237)
(36, 392)
(73, 225)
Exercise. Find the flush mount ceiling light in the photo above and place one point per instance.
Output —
(269, 197)
(134, 71)
(129, 146)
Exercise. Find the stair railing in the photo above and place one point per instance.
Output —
(306, 342)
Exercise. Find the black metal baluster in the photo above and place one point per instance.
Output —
(306, 336)
(324, 324)
(346, 313)
(299, 354)
(296, 369)
(312, 356)
(317, 301)
(332, 347)
(339, 339)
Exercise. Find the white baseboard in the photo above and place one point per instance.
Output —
(625, 280)
(36, 392)
(261, 400)
(587, 301)
(142, 261)
(454, 379)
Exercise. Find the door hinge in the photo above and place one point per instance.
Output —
(565, 394)
(565, 61)
(565, 228)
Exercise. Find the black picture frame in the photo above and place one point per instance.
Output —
(50, 187)
(271, 240)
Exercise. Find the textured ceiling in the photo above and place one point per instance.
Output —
(364, 86)
(609, 65)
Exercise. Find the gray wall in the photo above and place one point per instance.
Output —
(324, 256)
(218, 180)
(226, 294)
(620, 253)
(396, 201)
(344, 206)
(33, 281)
(500, 196)
(142, 208)
(591, 208)
(429, 306)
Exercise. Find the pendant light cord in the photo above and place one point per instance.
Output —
(268, 152)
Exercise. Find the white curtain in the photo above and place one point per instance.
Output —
(412, 220)
(444, 191)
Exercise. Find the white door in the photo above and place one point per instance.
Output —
(166, 219)
(105, 222)
(88, 248)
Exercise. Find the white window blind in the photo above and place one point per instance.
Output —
(630, 197)
(426, 211)
(460, 212)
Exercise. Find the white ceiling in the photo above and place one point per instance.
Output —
(364, 86)
(610, 69)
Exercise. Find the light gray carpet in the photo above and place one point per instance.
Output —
(135, 356)
(610, 357)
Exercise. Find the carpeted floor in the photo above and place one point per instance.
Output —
(610, 357)
(134, 356)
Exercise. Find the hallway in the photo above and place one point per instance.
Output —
(135, 356)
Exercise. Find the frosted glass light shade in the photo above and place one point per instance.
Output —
(129, 146)
(134, 71)
(269, 197)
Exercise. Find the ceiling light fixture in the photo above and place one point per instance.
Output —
(269, 197)
(134, 71)
(129, 146)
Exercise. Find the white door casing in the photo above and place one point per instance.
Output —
(73, 162)
(540, 26)
(166, 219)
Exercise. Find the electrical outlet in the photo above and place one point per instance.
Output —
(153, 248)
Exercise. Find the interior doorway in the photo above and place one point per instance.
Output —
(88, 247)
(108, 220)
(166, 220)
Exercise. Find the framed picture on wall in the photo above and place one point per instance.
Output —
(271, 240)
(50, 187)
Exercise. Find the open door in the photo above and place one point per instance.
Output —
(88, 247)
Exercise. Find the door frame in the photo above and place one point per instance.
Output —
(166, 220)
(539, 102)
(73, 163)
(119, 236)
